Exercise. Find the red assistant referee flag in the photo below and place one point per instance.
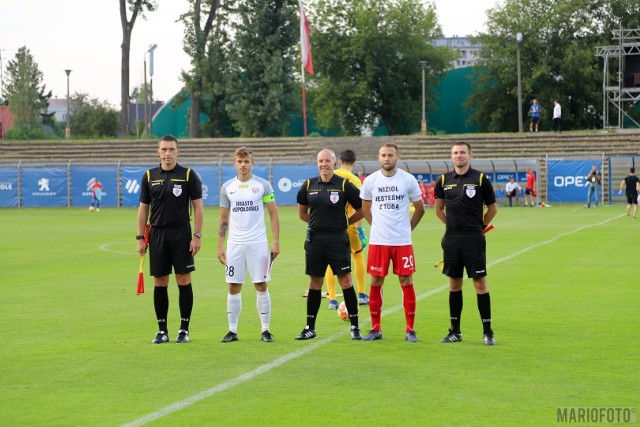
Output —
(305, 45)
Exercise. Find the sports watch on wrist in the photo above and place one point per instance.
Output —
(139, 237)
(198, 235)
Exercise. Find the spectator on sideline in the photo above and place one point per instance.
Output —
(631, 183)
(96, 194)
(357, 239)
(322, 203)
(512, 189)
(534, 112)
(461, 196)
(530, 188)
(423, 191)
(557, 116)
(243, 200)
(593, 191)
(386, 196)
(167, 194)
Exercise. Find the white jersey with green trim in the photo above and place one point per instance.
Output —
(390, 198)
(245, 201)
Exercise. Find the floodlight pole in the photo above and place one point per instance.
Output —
(423, 123)
(149, 90)
(67, 132)
(519, 40)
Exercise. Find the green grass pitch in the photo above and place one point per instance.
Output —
(76, 349)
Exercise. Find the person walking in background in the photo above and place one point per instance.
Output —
(243, 200)
(557, 116)
(512, 189)
(322, 204)
(461, 196)
(386, 196)
(534, 111)
(530, 188)
(631, 184)
(96, 194)
(595, 181)
(167, 195)
(357, 238)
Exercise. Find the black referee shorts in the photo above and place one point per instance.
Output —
(465, 251)
(327, 248)
(169, 247)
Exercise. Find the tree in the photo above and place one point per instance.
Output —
(136, 7)
(91, 118)
(24, 91)
(557, 60)
(195, 44)
(366, 58)
(261, 63)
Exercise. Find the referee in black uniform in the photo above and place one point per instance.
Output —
(461, 196)
(322, 203)
(169, 192)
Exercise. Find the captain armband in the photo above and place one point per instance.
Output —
(268, 198)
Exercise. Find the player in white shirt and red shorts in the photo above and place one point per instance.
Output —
(386, 197)
(243, 201)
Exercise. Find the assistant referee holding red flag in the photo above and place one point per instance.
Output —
(167, 195)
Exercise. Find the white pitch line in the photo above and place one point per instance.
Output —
(308, 348)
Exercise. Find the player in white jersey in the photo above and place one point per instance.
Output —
(243, 200)
(386, 196)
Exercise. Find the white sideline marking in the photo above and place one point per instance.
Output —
(310, 347)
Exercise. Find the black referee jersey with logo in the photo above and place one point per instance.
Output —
(169, 195)
(465, 197)
(328, 202)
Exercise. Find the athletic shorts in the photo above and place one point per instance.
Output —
(354, 240)
(253, 258)
(535, 120)
(632, 199)
(464, 251)
(528, 191)
(380, 256)
(327, 248)
(169, 247)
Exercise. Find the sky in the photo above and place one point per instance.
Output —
(85, 36)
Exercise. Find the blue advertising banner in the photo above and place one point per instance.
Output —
(82, 177)
(567, 180)
(503, 177)
(131, 180)
(210, 185)
(287, 180)
(9, 187)
(44, 186)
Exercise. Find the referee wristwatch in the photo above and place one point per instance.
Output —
(198, 235)
(139, 237)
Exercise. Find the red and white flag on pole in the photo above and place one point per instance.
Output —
(305, 45)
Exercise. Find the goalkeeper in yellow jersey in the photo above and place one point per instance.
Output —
(357, 238)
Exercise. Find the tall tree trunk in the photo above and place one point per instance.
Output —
(127, 29)
(194, 116)
(124, 82)
(201, 35)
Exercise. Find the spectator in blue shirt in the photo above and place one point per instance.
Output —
(534, 112)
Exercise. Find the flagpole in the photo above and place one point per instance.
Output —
(304, 101)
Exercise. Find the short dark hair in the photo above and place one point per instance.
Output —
(463, 143)
(168, 138)
(632, 169)
(348, 156)
(391, 145)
